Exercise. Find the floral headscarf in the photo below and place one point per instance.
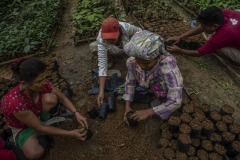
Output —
(145, 45)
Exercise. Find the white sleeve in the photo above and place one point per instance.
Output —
(102, 56)
(130, 29)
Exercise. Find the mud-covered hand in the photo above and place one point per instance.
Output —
(176, 39)
(173, 49)
(81, 119)
(79, 133)
(100, 98)
(142, 114)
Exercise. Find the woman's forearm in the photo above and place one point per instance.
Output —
(102, 80)
(192, 32)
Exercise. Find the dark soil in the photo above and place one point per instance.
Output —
(202, 155)
(196, 125)
(215, 116)
(196, 142)
(237, 157)
(191, 151)
(163, 142)
(169, 153)
(218, 148)
(205, 108)
(234, 128)
(173, 144)
(174, 121)
(215, 156)
(188, 109)
(184, 139)
(181, 156)
(185, 128)
(185, 117)
(199, 115)
(227, 119)
(233, 149)
(216, 138)
(221, 126)
(208, 125)
(228, 137)
(207, 145)
(226, 109)
(166, 134)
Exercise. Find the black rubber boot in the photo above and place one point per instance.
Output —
(111, 104)
(103, 110)
(94, 89)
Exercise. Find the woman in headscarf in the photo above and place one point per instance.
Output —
(151, 69)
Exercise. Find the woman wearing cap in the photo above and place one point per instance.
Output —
(151, 69)
(112, 37)
(26, 107)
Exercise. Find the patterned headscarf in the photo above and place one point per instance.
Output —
(145, 45)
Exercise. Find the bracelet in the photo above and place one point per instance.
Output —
(74, 113)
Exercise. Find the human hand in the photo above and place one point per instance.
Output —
(82, 120)
(173, 49)
(79, 133)
(176, 39)
(142, 114)
(100, 98)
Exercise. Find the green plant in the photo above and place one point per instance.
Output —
(88, 15)
(27, 25)
(198, 5)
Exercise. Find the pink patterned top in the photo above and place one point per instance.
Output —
(16, 101)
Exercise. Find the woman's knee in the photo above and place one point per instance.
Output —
(49, 100)
(34, 152)
(32, 149)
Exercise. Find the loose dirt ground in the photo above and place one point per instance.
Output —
(112, 139)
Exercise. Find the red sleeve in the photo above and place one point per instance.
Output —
(216, 42)
(47, 87)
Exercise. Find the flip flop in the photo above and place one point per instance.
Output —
(55, 121)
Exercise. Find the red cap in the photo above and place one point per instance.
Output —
(110, 28)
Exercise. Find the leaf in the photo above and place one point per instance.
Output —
(26, 41)
(27, 48)
(35, 42)
(91, 17)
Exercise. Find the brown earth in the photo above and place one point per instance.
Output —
(205, 77)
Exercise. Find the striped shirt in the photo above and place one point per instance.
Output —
(168, 69)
